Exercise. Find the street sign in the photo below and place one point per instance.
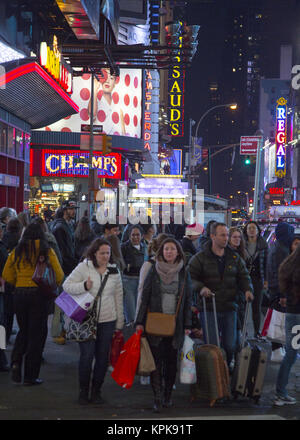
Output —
(249, 144)
(96, 128)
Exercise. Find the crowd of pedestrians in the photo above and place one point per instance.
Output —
(137, 269)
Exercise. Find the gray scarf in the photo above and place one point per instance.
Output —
(168, 272)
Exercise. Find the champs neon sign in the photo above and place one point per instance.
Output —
(75, 163)
(51, 60)
(281, 125)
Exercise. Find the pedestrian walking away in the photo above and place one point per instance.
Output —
(168, 290)
(102, 279)
(31, 306)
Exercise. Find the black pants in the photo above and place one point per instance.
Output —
(256, 303)
(31, 309)
(165, 357)
(8, 310)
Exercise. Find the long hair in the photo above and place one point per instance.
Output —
(160, 252)
(116, 252)
(289, 273)
(26, 248)
(90, 252)
(246, 226)
(42, 223)
(83, 230)
(241, 249)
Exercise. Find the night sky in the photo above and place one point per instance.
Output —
(213, 63)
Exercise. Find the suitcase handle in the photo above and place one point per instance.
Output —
(244, 331)
(215, 319)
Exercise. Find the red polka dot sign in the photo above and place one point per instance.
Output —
(117, 104)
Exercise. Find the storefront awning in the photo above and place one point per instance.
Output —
(34, 96)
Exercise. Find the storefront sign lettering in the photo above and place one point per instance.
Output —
(76, 163)
(51, 60)
(281, 125)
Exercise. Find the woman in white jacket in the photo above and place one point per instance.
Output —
(88, 276)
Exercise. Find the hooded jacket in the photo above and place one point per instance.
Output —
(278, 252)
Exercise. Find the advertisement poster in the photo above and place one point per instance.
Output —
(117, 104)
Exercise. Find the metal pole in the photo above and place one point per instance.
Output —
(209, 173)
(257, 176)
(91, 149)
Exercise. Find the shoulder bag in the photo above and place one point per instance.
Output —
(44, 277)
(87, 329)
(163, 324)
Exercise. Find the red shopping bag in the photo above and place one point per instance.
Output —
(127, 363)
(267, 322)
(116, 346)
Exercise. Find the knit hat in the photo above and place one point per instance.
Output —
(284, 233)
(194, 229)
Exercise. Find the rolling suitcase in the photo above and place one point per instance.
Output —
(211, 367)
(249, 372)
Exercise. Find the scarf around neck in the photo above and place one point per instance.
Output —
(168, 272)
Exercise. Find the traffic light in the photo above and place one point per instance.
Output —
(107, 144)
(247, 160)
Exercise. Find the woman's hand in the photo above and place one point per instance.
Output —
(89, 283)
(139, 328)
(187, 331)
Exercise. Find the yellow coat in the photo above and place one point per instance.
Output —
(22, 276)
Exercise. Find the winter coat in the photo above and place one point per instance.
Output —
(188, 248)
(204, 272)
(10, 240)
(257, 265)
(289, 287)
(111, 302)
(53, 244)
(152, 300)
(277, 253)
(20, 275)
(134, 258)
(3, 256)
(65, 241)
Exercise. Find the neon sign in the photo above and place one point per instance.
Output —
(281, 125)
(176, 96)
(51, 59)
(75, 163)
(147, 115)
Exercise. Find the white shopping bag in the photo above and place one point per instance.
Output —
(187, 362)
(2, 338)
(276, 330)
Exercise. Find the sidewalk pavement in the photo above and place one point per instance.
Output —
(56, 398)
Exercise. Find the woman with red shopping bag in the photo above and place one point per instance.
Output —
(165, 315)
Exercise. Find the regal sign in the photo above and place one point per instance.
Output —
(281, 126)
(75, 163)
(51, 60)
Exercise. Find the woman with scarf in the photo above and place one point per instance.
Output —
(167, 280)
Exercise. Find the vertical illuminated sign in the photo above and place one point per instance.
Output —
(176, 95)
(281, 126)
(147, 115)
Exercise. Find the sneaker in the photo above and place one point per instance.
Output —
(278, 355)
(288, 400)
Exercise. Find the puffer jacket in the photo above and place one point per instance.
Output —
(111, 302)
(204, 272)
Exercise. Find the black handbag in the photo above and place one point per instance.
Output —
(87, 329)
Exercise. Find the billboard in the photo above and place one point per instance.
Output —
(117, 104)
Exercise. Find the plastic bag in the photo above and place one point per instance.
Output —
(267, 322)
(116, 347)
(126, 366)
(187, 362)
(276, 330)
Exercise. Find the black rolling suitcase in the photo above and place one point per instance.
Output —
(250, 369)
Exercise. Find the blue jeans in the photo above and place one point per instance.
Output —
(99, 349)
(227, 323)
(290, 357)
(130, 286)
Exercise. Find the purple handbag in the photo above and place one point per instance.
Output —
(75, 306)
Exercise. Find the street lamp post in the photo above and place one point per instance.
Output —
(232, 106)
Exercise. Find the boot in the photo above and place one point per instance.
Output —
(83, 398)
(155, 380)
(96, 397)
